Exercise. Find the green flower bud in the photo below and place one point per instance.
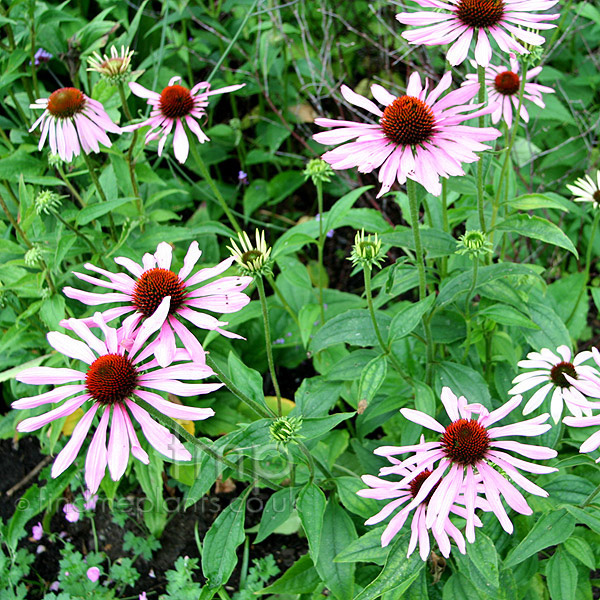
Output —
(318, 170)
(285, 429)
(366, 251)
(46, 202)
(474, 243)
(252, 260)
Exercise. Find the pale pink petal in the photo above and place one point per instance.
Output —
(118, 444)
(69, 347)
(173, 410)
(49, 375)
(59, 393)
(416, 416)
(96, 459)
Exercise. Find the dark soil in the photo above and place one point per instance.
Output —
(16, 461)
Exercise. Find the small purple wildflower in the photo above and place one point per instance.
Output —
(41, 56)
(243, 178)
(37, 531)
(71, 513)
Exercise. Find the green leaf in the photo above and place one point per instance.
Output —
(460, 587)
(397, 574)
(277, 510)
(480, 564)
(552, 331)
(338, 531)
(311, 508)
(507, 315)
(347, 487)
(371, 378)
(300, 578)
(589, 516)
(89, 213)
(150, 478)
(539, 229)
(549, 530)
(581, 550)
(461, 283)
(561, 576)
(366, 548)
(436, 243)
(463, 381)
(221, 541)
(536, 201)
(52, 311)
(313, 427)
(352, 327)
(408, 317)
(246, 379)
(341, 207)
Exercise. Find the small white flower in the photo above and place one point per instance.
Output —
(585, 190)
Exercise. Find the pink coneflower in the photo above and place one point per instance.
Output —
(467, 449)
(418, 136)
(157, 296)
(458, 20)
(113, 379)
(171, 107)
(73, 121)
(503, 86)
(558, 372)
(400, 494)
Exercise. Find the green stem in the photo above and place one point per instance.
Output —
(282, 299)
(181, 432)
(81, 235)
(589, 499)
(72, 189)
(134, 185)
(213, 186)
(384, 347)
(411, 188)
(468, 308)
(513, 135)
(319, 186)
(480, 191)
(445, 224)
(265, 313)
(32, 49)
(309, 459)
(259, 409)
(94, 176)
(369, 294)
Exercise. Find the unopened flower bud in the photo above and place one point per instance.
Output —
(318, 170)
(46, 202)
(33, 256)
(366, 251)
(474, 243)
(285, 429)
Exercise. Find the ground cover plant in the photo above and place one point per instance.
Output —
(299, 299)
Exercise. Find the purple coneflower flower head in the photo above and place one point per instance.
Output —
(93, 574)
(157, 297)
(175, 105)
(560, 374)
(37, 532)
(418, 136)
(402, 494)
(41, 56)
(113, 379)
(72, 513)
(456, 22)
(72, 122)
(466, 450)
(503, 86)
